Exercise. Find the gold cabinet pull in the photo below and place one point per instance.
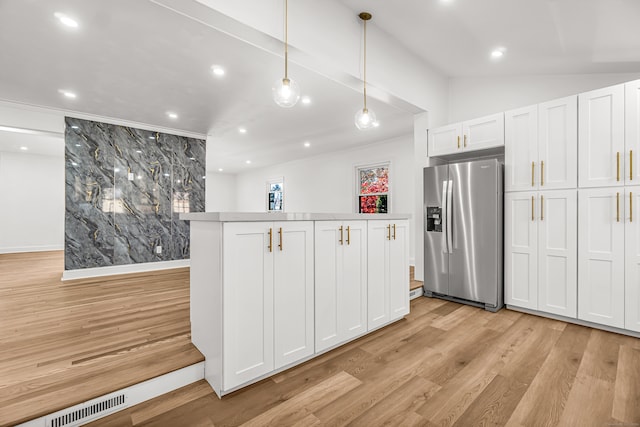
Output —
(280, 245)
(618, 166)
(458, 142)
(533, 172)
(618, 207)
(341, 235)
(389, 232)
(541, 207)
(630, 206)
(348, 235)
(271, 240)
(541, 173)
(532, 211)
(631, 165)
(394, 232)
(465, 140)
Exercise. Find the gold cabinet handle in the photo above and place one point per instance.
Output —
(280, 245)
(458, 142)
(533, 172)
(630, 206)
(271, 240)
(631, 165)
(618, 207)
(348, 235)
(541, 173)
(541, 207)
(389, 232)
(465, 140)
(618, 166)
(341, 235)
(532, 211)
(394, 232)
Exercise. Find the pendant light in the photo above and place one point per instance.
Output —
(365, 118)
(286, 92)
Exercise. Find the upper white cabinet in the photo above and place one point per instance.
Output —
(388, 260)
(341, 281)
(632, 131)
(477, 134)
(541, 146)
(602, 154)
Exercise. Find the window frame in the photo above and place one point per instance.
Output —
(357, 169)
(278, 180)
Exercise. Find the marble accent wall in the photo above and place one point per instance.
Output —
(125, 189)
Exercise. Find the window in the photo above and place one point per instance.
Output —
(373, 188)
(275, 195)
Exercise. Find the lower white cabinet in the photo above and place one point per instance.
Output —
(267, 298)
(340, 281)
(632, 259)
(388, 260)
(601, 253)
(541, 251)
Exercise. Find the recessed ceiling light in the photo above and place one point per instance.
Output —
(306, 100)
(67, 93)
(307, 144)
(24, 148)
(220, 169)
(217, 70)
(242, 130)
(66, 20)
(248, 162)
(172, 115)
(498, 53)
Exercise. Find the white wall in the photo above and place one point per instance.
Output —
(471, 97)
(221, 193)
(32, 195)
(327, 183)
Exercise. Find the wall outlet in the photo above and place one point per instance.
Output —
(158, 249)
(130, 176)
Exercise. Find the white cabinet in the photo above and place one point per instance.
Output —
(601, 253)
(267, 298)
(601, 133)
(541, 146)
(388, 271)
(477, 134)
(541, 251)
(632, 131)
(632, 259)
(340, 281)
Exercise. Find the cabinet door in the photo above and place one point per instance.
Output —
(601, 135)
(632, 259)
(558, 143)
(521, 250)
(485, 132)
(352, 302)
(399, 270)
(558, 252)
(293, 292)
(328, 276)
(445, 140)
(248, 302)
(632, 131)
(601, 256)
(521, 149)
(379, 233)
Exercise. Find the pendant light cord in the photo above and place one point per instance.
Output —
(286, 39)
(365, 64)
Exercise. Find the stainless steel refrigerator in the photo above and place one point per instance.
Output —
(463, 205)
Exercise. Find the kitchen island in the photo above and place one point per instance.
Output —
(272, 290)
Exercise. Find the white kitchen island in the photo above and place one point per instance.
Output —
(272, 290)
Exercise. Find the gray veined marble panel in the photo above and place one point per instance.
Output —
(89, 156)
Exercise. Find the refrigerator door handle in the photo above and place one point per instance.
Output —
(449, 216)
(445, 219)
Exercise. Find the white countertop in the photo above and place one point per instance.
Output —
(286, 216)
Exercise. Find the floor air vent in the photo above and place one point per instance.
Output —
(87, 411)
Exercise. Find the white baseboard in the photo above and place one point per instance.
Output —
(140, 392)
(86, 273)
(41, 248)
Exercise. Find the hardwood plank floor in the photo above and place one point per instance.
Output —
(62, 343)
(445, 364)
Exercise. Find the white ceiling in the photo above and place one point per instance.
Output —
(540, 36)
(136, 61)
(46, 144)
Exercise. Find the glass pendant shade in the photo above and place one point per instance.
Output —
(286, 92)
(365, 119)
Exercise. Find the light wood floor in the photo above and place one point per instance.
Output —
(445, 364)
(413, 283)
(64, 343)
